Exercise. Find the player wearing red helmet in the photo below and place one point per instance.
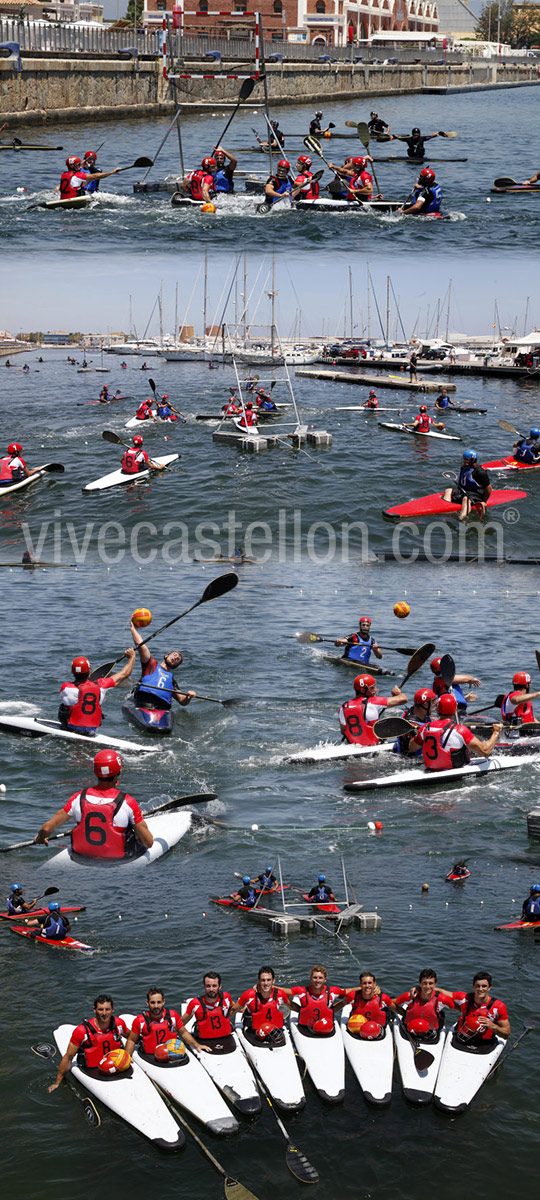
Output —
(440, 686)
(516, 708)
(308, 187)
(360, 646)
(418, 713)
(445, 743)
(145, 411)
(109, 822)
(482, 1017)
(76, 179)
(136, 459)
(200, 184)
(357, 717)
(422, 423)
(426, 196)
(81, 699)
(424, 1003)
(225, 167)
(361, 184)
(13, 467)
(279, 185)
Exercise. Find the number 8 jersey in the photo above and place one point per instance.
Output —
(103, 817)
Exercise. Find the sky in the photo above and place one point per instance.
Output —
(98, 299)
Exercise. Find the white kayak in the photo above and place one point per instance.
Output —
(186, 1082)
(130, 1095)
(433, 433)
(135, 421)
(364, 408)
(115, 478)
(28, 481)
(410, 778)
(372, 1062)
(228, 1067)
(277, 1067)
(326, 751)
(324, 1056)
(167, 829)
(418, 1085)
(463, 1070)
(35, 727)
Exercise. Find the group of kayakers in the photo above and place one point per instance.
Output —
(164, 410)
(81, 176)
(214, 176)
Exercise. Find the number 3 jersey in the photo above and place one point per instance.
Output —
(103, 817)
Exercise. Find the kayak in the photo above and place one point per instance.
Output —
(228, 902)
(74, 202)
(34, 727)
(326, 205)
(42, 912)
(510, 464)
(167, 828)
(519, 925)
(66, 943)
(463, 1070)
(330, 908)
(428, 506)
(477, 766)
(229, 1069)
(30, 479)
(417, 162)
(452, 878)
(151, 720)
(186, 1082)
(276, 1065)
(372, 1062)
(362, 408)
(327, 751)
(115, 478)
(130, 1095)
(341, 661)
(432, 433)
(324, 1056)
(417, 1085)
(456, 408)
(134, 421)
(516, 187)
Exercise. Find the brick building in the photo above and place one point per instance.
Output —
(327, 22)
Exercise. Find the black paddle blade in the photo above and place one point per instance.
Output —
(537, 656)
(246, 89)
(51, 891)
(447, 669)
(505, 181)
(392, 727)
(306, 637)
(44, 1050)
(109, 436)
(299, 1166)
(180, 801)
(143, 162)
(219, 586)
(423, 1059)
(103, 670)
(418, 659)
(54, 468)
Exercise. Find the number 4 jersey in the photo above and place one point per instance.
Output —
(103, 817)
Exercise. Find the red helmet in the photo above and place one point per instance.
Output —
(521, 678)
(363, 683)
(14, 448)
(423, 408)
(370, 1030)
(80, 666)
(435, 665)
(90, 154)
(475, 1021)
(365, 620)
(138, 439)
(73, 161)
(447, 705)
(418, 1026)
(304, 160)
(107, 764)
(209, 163)
(284, 164)
(165, 396)
(372, 393)
(264, 1029)
(427, 175)
(323, 1025)
(424, 696)
(360, 163)
(249, 404)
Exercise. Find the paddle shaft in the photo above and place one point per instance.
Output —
(47, 1052)
(422, 1058)
(308, 637)
(246, 1194)
(168, 806)
(245, 93)
(363, 134)
(312, 144)
(530, 1025)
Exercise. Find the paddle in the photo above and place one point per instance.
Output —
(389, 728)
(169, 806)
(496, 704)
(532, 1023)
(447, 669)
(226, 703)
(158, 396)
(363, 133)
(312, 144)
(244, 94)
(422, 1058)
(537, 655)
(298, 1164)
(29, 916)
(109, 436)
(234, 1190)
(266, 208)
(213, 590)
(48, 1052)
(308, 637)
(508, 427)
(139, 162)
(507, 181)
(418, 659)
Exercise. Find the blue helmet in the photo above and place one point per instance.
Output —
(16, 887)
(322, 878)
(268, 868)
(246, 879)
(54, 906)
(535, 889)
(535, 432)
(471, 455)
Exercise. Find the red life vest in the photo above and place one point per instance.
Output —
(87, 712)
(372, 403)
(248, 418)
(438, 755)
(315, 1008)
(133, 462)
(482, 1009)
(144, 410)
(427, 1009)
(97, 1044)
(372, 1009)
(67, 189)
(196, 181)
(522, 712)
(422, 423)
(311, 189)
(213, 1023)
(6, 470)
(158, 1032)
(266, 1010)
(95, 836)
(357, 729)
(361, 181)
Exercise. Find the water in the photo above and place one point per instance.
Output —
(122, 222)
(243, 646)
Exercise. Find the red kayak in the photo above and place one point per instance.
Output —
(452, 878)
(42, 912)
(325, 908)
(228, 902)
(434, 505)
(67, 943)
(520, 925)
(510, 464)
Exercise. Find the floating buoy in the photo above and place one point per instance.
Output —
(378, 826)
(425, 887)
(371, 826)
(254, 826)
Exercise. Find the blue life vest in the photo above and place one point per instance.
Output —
(467, 483)
(459, 695)
(281, 186)
(247, 894)
(443, 402)
(525, 452)
(13, 912)
(322, 894)
(159, 683)
(266, 406)
(164, 411)
(222, 182)
(433, 198)
(531, 911)
(55, 927)
(359, 651)
(92, 186)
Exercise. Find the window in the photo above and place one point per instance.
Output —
(203, 5)
(161, 5)
(320, 6)
(278, 7)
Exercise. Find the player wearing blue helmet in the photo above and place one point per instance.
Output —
(54, 925)
(531, 906)
(322, 892)
(473, 487)
(16, 903)
(526, 450)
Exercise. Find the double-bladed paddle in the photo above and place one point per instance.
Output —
(363, 133)
(388, 728)
(233, 1189)
(244, 94)
(139, 162)
(213, 590)
(307, 637)
(298, 1164)
(158, 396)
(264, 208)
(46, 1051)
(168, 806)
(417, 660)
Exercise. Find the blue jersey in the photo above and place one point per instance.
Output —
(432, 197)
(525, 451)
(531, 910)
(359, 651)
(468, 483)
(223, 181)
(158, 683)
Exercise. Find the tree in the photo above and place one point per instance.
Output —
(526, 26)
(495, 23)
(130, 13)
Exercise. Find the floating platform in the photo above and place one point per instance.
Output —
(381, 381)
(254, 444)
(533, 824)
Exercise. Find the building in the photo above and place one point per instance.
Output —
(456, 18)
(323, 22)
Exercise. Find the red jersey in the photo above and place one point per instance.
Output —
(423, 423)
(357, 718)
(310, 189)
(134, 460)
(495, 1009)
(72, 184)
(212, 1017)
(84, 701)
(317, 1008)
(144, 411)
(94, 1044)
(429, 1010)
(362, 180)
(444, 744)
(372, 1010)
(264, 1009)
(248, 418)
(103, 816)
(154, 1033)
(513, 710)
(9, 466)
(197, 180)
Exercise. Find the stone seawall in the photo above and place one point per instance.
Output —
(56, 89)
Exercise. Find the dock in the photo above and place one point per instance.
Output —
(380, 381)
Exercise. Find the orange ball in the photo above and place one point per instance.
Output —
(401, 609)
(141, 617)
(116, 1061)
(355, 1022)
